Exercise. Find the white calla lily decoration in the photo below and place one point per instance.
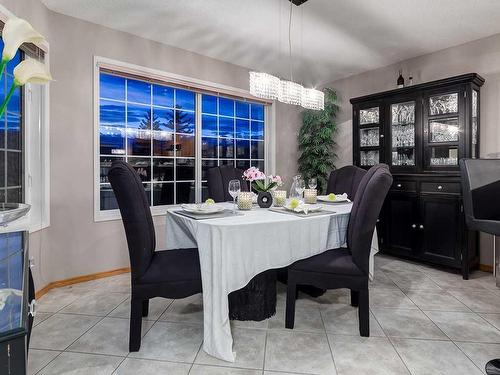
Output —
(15, 33)
(27, 71)
(31, 71)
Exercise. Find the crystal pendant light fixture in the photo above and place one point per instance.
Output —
(267, 86)
(263, 85)
(313, 99)
(290, 93)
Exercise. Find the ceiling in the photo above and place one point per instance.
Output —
(331, 39)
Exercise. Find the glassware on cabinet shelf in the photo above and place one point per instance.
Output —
(369, 137)
(403, 113)
(442, 104)
(403, 158)
(369, 116)
(474, 123)
(369, 158)
(403, 136)
(444, 156)
(445, 130)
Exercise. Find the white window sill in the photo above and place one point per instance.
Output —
(111, 215)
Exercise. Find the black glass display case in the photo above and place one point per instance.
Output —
(421, 132)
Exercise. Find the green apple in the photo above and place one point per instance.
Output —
(294, 203)
(332, 197)
(209, 201)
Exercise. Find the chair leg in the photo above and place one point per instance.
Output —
(354, 298)
(135, 324)
(291, 294)
(364, 313)
(145, 308)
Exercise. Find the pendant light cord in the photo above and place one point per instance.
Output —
(290, 40)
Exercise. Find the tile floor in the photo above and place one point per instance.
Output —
(423, 321)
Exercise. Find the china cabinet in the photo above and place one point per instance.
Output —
(421, 132)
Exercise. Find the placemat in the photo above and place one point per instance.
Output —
(225, 213)
(282, 210)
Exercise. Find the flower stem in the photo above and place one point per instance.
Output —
(7, 99)
(3, 64)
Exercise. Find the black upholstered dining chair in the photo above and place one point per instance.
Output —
(168, 274)
(481, 189)
(345, 180)
(346, 267)
(218, 181)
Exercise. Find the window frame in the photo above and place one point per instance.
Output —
(184, 82)
(35, 191)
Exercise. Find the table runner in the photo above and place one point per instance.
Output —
(233, 250)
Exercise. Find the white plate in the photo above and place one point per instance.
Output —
(202, 208)
(309, 207)
(339, 199)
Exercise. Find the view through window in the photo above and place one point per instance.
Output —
(154, 128)
(11, 140)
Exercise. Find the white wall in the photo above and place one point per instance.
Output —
(481, 56)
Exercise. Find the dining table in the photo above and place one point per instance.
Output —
(235, 248)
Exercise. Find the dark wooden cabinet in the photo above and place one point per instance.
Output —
(421, 132)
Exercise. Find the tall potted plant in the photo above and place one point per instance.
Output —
(316, 141)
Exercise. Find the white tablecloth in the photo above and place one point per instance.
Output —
(235, 249)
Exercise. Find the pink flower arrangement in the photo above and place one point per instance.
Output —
(253, 174)
(259, 181)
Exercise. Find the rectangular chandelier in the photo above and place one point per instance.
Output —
(267, 86)
(263, 85)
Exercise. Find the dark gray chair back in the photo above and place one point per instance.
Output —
(218, 182)
(136, 216)
(345, 180)
(481, 192)
(365, 210)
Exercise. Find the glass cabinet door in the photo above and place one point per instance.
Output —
(369, 136)
(403, 134)
(475, 115)
(442, 122)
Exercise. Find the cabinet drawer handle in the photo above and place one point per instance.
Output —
(398, 185)
(414, 226)
(440, 187)
(421, 226)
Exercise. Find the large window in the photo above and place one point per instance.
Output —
(232, 134)
(11, 142)
(172, 136)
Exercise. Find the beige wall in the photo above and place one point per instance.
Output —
(481, 56)
(74, 244)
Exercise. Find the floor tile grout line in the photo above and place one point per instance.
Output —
(392, 344)
(428, 317)
(265, 352)
(119, 364)
(48, 363)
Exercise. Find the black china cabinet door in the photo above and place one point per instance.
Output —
(369, 135)
(400, 223)
(403, 116)
(440, 229)
(444, 128)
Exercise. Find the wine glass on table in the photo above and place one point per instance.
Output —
(300, 187)
(313, 183)
(234, 190)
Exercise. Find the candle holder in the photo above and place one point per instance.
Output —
(310, 196)
(245, 200)
(279, 198)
